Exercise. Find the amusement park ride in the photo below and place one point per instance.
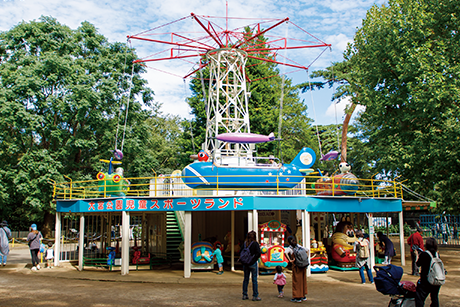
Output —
(227, 158)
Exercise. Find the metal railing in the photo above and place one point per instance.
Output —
(173, 185)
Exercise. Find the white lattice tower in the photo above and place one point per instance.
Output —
(227, 107)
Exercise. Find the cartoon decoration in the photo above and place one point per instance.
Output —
(272, 245)
(203, 156)
(110, 183)
(341, 184)
(202, 256)
(342, 244)
(318, 257)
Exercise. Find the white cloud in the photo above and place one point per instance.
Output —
(337, 110)
(332, 21)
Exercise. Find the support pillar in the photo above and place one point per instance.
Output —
(57, 239)
(401, 239)
(306, 234)
(250, 221)
(232, 227)
(125, 243)
(371, 240)
(255, 223)
(188, 245)
(81, 242)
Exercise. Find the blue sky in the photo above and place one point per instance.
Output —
(332, 21)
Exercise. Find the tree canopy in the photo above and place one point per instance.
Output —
(404, 68)
(61, 91)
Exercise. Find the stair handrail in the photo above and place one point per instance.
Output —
(180, 218)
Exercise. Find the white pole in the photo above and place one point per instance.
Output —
(255, 217)
(81, 242)
(232, 239)
(306, 233)
(188, 245)
(250, 221)
(125, 243)
(371, 240)
(57, 239)
(401, 239)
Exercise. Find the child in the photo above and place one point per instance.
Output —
(280, 280)
(50, 255)
(219, 259)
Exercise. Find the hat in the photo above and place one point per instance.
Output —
(33, 227)
(271, 157)
(5, 223)
(419, 229)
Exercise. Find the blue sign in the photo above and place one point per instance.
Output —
(230, 203)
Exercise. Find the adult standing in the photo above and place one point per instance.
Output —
(34, 239)
(299, 275)
(389, 248)
(5, 236)
(361, 247)
(423, 286)
(416, 244)
(252, 268)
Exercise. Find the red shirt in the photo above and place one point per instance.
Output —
(415, 239)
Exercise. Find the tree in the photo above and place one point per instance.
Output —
(265, 85)
(405, 66)
(61, 91)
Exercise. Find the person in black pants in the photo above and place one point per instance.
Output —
(252, 268)
(423, 286)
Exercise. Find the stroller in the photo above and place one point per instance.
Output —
(387, 281)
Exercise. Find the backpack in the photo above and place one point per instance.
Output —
(436, 275)
(245, 255)
(301, 257)
(363, 252)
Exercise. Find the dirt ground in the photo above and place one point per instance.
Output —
(22, 287)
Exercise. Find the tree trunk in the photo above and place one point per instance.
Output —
(346, 121)
(48, 224)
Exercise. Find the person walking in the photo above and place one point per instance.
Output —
(34, 238)
(252, 266)
(5, 236)
(279, 280)
(361, 247)
(423, 286)
(299, 275)
(389, 248)
(416, 244)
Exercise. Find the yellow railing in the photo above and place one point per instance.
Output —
(174, 186)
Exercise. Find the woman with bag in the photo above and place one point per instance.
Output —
(251, 265)
(34, 238)
(299, 274)
(5, 236)
(423, 286)
(361, 247)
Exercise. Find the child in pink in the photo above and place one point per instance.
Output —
(280, 280)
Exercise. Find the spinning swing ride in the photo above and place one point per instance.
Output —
(229, 141)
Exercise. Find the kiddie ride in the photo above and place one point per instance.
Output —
(344, 183)
(342, 246)
(272, 246)
(112, 184)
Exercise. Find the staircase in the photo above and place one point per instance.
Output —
(173, 236)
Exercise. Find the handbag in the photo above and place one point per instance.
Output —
(32, 239)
